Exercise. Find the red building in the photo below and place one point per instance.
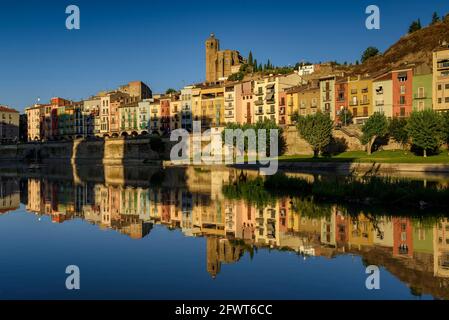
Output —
(341, 229)
(165, 114)
(402, 237)
(402, 92)
(341, 98)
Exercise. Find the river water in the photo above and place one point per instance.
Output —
(143, 233)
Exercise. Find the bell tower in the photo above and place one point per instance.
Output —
(212, 47)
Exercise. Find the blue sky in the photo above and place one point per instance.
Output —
(161, 42)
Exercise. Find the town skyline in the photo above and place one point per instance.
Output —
(169, 69)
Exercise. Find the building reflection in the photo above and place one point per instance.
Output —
(415, 251)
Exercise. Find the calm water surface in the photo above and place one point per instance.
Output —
(139, 233)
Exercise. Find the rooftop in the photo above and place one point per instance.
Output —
(7, 109)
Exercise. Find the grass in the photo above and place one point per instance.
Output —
(394, 156)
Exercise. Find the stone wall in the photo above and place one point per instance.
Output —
(78, 151)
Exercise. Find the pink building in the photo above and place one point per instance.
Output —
(244, 102)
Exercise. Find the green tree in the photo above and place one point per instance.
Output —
(357, 62)
(170, 90)
(368, 53)
(445, 117)
(435, 18)
(255, 66)
(316, 129)
(375, 127)
(397, 129)
(415, 26)
(250, 58)
(238, 76)
(426, 130)
(261, 125)
(345, 116)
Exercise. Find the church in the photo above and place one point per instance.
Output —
(220, 63)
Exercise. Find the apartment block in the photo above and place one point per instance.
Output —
(360, 98)
(402, 92)
(341, 97)
(441, 79)
(9, 125)
(422, 88)
(383, 95)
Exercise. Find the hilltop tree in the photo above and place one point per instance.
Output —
(415, 26)
(170, 91)
(397, 129)
(375, 127)
(426, 129)
(435, 18)
(357, 62)
(255, 66)
(316, 129)
(250, 59)
(368, 53)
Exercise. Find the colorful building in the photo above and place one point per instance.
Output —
(229, 104)
(34, 117)
(327, 95)
(383, 94)
(9, 125)
(422, 88)
(244, 102)
(402, 237)
(360, 90)
(402, 92)
(441, 79)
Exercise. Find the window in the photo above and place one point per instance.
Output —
(440, 100)
(420, 105)
(402, 89)
(402, 100)
(446, 100)
(446, 86)
(421, 92)
(440, 87)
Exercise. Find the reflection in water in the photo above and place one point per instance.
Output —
(415, 250)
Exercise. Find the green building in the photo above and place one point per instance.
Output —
(423, 237)
(422, 92)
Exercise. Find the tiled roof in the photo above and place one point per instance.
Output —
(6, 109)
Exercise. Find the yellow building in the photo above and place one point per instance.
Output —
(360, 91)
(441, 79)
(212, 106)
(360, 232)
(302, 100)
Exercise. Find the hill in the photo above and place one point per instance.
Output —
(414, 48)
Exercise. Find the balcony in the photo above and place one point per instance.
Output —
(443, 65)
(419, 96)
(380, 103)
(313, 105)
(229, 106)
(229, 99)
(229, 115)
(259, 111)
(364, 102)
(258, 102)
(271, 111)
(353, 103)
(258, 93)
